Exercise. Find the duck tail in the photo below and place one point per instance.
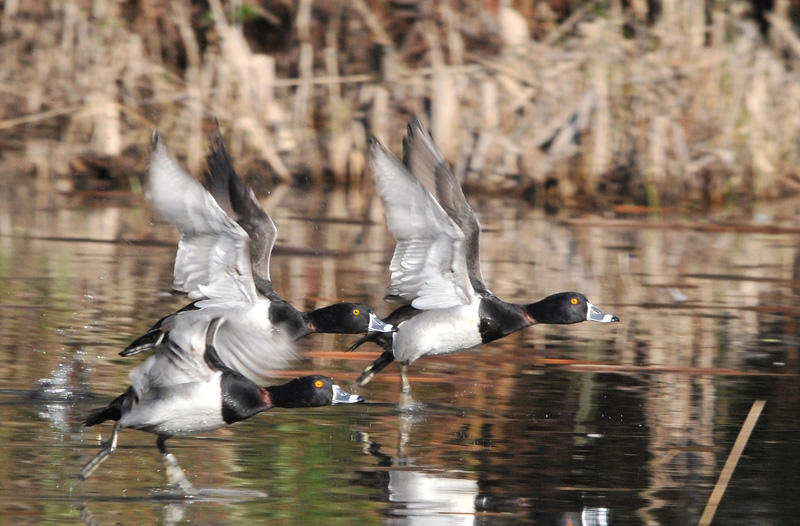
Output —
(375, 367)
(384, 339)
(113, 411)
(358, 343)
(148, 341)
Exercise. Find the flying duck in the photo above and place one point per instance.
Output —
(223, 257)
(435, 269)
(185, 388)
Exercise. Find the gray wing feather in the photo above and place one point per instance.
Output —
(426, 162)
(239, 202)
(428, 266)
(168, 366)
(213, 251)
(247, 341)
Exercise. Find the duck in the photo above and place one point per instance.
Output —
(222, 261)
(185, 389)
(444, 303)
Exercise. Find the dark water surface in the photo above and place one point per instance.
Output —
(591, 424)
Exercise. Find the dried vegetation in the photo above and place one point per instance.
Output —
(593, 103)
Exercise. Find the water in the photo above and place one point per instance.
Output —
(592, 424)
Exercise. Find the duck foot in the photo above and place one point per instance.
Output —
(407, 403)
(109, 447)
(178, 485)
(176, 479)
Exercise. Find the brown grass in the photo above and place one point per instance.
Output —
(599, 106)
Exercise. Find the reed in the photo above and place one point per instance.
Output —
(607, 105)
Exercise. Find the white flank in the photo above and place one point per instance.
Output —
(439, 331)
(182, 409)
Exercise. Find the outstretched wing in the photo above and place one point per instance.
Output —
(213, 258)
(426, 162)
(246, 341)
(239, 202)
(428, 268)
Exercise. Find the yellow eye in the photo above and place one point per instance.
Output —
(318, 384)
(574, 301)
(356, 312)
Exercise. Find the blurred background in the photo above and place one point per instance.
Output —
(642, 152)
(654, 102)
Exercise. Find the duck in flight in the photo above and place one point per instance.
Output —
(223, 259)
(435, 270)
(186, 388)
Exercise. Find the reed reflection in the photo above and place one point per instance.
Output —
(549, 421)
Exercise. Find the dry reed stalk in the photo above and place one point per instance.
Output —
(730, 464)
(192, 120)
(693, 105)
(444, 93)
(373, 23)
(338, 132)
(32, 118)
(379, 115)
(10, 9)
(602, 133)
(182, 20)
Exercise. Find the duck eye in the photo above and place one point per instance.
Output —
(574, 301)
(356, 312)
(318, 384)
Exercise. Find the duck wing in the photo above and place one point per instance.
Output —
(169, 366)
(428, 268)
(213, 257)
(244, 339)
(240, 203)
(426, 162)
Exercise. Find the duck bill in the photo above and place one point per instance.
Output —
(378, 325)
(340, 396)
(595, 314)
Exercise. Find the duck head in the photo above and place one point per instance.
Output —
(310, 391)
(348, 318)
(565, 308)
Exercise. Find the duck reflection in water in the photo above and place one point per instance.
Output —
(423, 496)
(423, 490)
(435, 269)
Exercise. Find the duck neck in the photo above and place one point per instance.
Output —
(543, 311)
(241, 397)
(498, 318)
(291, 320)
(284, 396)
(325, 319)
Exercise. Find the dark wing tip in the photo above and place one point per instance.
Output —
(375, 146)
(415, 125)
(217, 144)
(155, 139)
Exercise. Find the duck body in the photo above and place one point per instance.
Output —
(180, 410)
(443, 331)
(440, 331)
(435, 268)
(183, 388)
